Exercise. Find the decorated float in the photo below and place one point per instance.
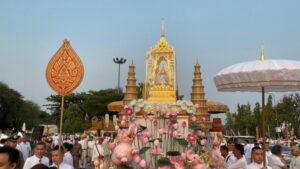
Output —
(159, 130)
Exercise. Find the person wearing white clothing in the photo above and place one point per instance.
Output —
(229, 158)
(257, 159)
(248, 149)
(57, 159)
(241, 162)
(24, 147)
(295, 161)
(274, 159)
(68, 158)
(38, 157)
(98, 153)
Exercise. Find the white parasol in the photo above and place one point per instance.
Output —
(260, 76)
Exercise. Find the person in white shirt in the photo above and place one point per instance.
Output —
(38, 157)
(57, 159)
(257, 159)
(68, 158)
(24, 147)
(229, 158)
(238, 152)
(248, 149)
(295, 161)
(98, 153)
(84, 146)
(275, 159)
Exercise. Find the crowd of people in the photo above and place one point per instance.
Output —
(251, 156)
(81, 151)
(76, 152)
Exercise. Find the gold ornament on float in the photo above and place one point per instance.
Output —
(65, 70)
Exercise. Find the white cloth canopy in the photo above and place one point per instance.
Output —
(274, 75)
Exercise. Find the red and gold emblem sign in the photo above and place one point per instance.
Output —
(65, 70)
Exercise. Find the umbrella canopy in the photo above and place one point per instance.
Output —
(260, 76)
(274, 75)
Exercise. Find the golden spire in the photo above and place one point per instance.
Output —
(130, 93)
(162, 27)
(262, 54)
(198, 96)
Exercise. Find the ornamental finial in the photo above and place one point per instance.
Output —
(262, 54)
(162, 27)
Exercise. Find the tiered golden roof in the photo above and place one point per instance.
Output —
(130, 93)
(198, 96)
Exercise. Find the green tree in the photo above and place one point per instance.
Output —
(14, 110)
(93, 103)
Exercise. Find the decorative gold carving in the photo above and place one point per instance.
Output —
(162, 46)
(160, 80)
(65, 70)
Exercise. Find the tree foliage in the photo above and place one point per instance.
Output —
(78, 105)
(245, 120)
(14, 110)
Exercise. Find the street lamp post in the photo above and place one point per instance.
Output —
(119, 61)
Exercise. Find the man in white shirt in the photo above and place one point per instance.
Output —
(295, 161)
(68, 158)
(38, 157)
(84, 146)
(241, 162)
(257, 159)
(24, 146)
(229, 158)
(98, 153)
(57, 159)
(275, 159)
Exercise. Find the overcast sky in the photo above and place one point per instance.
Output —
(218, 33)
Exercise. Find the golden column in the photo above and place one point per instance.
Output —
(130, 93)
(198, 97)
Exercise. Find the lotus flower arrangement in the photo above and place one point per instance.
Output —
(161, 141)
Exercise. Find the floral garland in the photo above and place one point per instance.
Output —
(159, 108)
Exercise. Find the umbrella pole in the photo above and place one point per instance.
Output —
(263, 125)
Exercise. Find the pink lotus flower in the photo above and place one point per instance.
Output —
(162, 131)
(169, 123)
(203, 142)
(191, 137)
(177, 162)
(127, 111)
(143, 163)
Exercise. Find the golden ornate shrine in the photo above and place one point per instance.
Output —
(160, 79)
